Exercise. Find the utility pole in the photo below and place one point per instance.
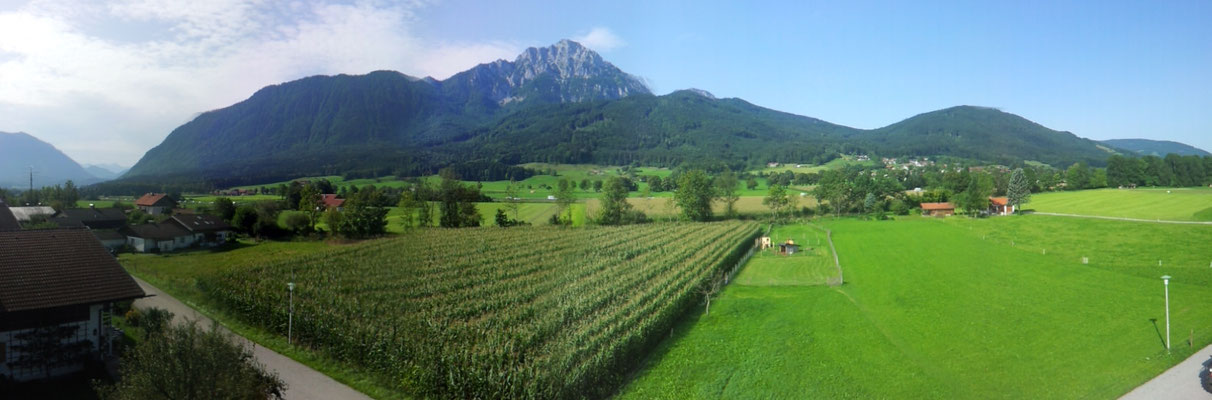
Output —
(1166, 282)
(290, 318)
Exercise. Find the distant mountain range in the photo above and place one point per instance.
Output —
(562, 103)
(105, 171)
(1147, 147)
(19, 152)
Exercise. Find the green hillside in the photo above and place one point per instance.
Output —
(1158, 148)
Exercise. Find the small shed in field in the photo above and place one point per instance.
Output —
(764, 243)
(938, 209)
(789, 247)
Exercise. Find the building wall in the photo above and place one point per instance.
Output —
(91, 330)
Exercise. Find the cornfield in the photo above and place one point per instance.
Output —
(530, 312)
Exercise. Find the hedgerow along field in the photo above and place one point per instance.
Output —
(941, 309)
(531, 312)
(1176, 204)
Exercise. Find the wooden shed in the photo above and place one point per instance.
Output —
(938, 209)
(789, 247)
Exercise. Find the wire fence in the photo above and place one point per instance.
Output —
(840, 278)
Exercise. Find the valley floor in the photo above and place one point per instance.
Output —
(955, 308)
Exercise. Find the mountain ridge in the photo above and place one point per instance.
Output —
(561, 103)
(1150, 147)
(19, 151)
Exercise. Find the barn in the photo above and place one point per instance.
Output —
(938, 209)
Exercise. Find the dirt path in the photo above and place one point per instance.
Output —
(302, 382)
(1184, 381)
(1158, 221)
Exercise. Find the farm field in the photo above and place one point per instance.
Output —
(1177, 204)
(523, 312)
(940, 309)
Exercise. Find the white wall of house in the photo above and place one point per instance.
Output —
(92, 330)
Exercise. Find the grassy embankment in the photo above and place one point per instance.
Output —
(952, 309)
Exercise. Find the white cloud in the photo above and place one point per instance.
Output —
(600, 39)
(104, 83)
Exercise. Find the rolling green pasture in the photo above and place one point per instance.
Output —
(812, 265)
(1178, 204)
(942, 309)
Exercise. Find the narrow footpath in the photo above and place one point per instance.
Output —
(1183, 381)
(1156, 221)
(303, 383)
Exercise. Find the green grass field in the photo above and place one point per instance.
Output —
(1177, 204)
(940, 309)
(813, 265)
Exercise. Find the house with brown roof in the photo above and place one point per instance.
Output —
(161, 237)
(155, 203)
(938, 209)
(57, 290)
(1000, 206)
(331, 202)
(207, 230)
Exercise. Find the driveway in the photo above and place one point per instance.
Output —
(303, 383)
(1184, 381)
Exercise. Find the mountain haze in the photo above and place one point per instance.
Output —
(20, 151)
(561, 103)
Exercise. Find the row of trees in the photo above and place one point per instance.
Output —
(58, 196)
(1173, 170)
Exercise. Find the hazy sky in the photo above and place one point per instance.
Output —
(106, 81)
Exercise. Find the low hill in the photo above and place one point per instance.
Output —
(1160, 148)
(983, 133)
(20, 151)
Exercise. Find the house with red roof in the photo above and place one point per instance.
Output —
(57, 291)
(155, 203)
(1000, 206)
(331, 202)
(938, 209)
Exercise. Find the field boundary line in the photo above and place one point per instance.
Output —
(1156, 221)
(841, 277)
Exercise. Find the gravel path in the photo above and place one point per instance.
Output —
(303, 383)
(1187, 380)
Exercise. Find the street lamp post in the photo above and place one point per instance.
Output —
(290, 318)
(1166, 282)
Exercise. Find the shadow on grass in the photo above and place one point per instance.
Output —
(1158, 330)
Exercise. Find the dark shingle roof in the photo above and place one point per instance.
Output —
(164, 231)
(96, 218)
(7, 221)
(201, 223)
(59, 267)
(105, 234)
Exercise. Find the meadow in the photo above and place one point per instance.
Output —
(812, 265)
(935, 308)
(1176, 204)
(530, 312)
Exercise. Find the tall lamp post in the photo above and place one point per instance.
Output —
(290, 318)
(1166, 282)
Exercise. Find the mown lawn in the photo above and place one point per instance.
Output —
(812, 265)
(1178, 204)
(939, 309)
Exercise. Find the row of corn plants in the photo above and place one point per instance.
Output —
(528, 312)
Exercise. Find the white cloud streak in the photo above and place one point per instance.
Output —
(601, 39)
(73, 74)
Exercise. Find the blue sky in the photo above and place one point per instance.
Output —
(106, 82)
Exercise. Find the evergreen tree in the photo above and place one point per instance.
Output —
(1018, 190)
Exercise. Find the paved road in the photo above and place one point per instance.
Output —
(1184, 381)
(1159, 221)
(303, 383)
